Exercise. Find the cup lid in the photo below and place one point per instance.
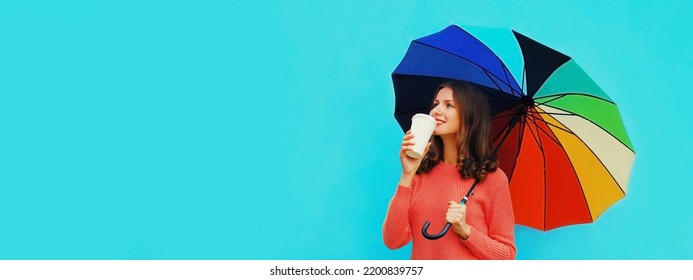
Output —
(425, 116)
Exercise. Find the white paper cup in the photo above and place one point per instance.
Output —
(422, 127)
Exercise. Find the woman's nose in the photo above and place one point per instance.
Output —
(435, 111)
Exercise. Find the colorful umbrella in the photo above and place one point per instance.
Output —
(559, 137)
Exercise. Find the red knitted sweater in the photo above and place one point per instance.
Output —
(489, 213)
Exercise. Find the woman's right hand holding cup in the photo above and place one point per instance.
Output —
(409, 165)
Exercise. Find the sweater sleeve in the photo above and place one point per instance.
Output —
(499, 243)
(396, 228)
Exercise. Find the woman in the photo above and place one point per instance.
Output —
(430, 188)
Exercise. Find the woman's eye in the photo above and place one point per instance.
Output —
(449, 106)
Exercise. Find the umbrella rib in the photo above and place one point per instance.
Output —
(507, 126)
(504, 100)
(595, 156)
(556, 114)
(492, 80)
(507, 78)
(472, 62)
(586, 119)
(551, 100)
(536, 140)
(543, 155)
(499, 100)
(497, 116)
(550, 124)
(561, 95)
(545, 132)
(582, 190)
(524, 73)
(519, 145)
(501, 105)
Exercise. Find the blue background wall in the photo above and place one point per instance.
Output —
(217, 130)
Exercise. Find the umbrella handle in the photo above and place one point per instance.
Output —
(424, 230)
(434, 236)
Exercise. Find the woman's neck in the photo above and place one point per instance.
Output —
(449, 149)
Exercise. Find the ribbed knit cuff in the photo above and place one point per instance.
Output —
(473, 237)
(478, 244)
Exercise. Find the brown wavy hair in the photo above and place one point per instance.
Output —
(474, 144)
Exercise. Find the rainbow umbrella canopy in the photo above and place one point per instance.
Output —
(558, 136)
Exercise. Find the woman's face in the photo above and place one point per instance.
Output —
(445, 112)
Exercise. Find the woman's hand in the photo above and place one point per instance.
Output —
(409, 165)
(457, 216)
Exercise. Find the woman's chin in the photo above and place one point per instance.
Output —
(441, 132)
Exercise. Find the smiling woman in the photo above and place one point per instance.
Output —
(460, 154)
